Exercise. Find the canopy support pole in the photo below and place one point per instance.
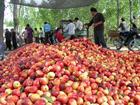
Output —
(131, 11)
(118, 12)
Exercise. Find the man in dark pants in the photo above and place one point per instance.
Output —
(98, 25)
(14, 40)
(8, 39)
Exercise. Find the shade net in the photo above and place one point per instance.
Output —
(54, 4)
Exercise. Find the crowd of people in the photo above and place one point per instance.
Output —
(11, 40)
(46, 35)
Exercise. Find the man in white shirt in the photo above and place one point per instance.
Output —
(123, 27)
(70, 29)
(78, 24)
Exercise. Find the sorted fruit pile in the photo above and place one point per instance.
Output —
(76, 72)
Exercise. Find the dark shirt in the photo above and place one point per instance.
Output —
(30, 32)
(8, 36)
(13, 35)
(98, 18)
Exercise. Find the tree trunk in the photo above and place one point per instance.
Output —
(15, 18)
(118, 12)
(1, 19)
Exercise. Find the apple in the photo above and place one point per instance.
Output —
(12, 98)
(31, 89)
(57, 103)
(44, 88)
(16, 84)
(68, 89)
(40, 92)
(23, 95)
(72, 102)
(88, 91)
(80, 101)
(39, 73)
(57, 67)
(55, 93)
(3, 100)
(137, 99)
(105, 103)
(47, 94)
(84, 76)
(8, 91)
(43, 81)
(16, 92)
(28, 82)
(51, 75)
(101, 100)
(40, 102)
(111, 102)
(62, 97)
(64, 79)
(98, 80)
(75, 85)
(94, 86)
(34, 97)
(36, 82)
(56, 81)
(24, 101)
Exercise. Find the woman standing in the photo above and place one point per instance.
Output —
(30, 34)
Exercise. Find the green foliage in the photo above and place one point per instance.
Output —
(36, 17)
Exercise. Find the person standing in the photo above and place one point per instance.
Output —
(98, 25)
(78, 26)
(14, 40)
(36, 35)
(25, 34)
(8, 39)
(70, 29)
(123, 27)
(47, 31)
(42, 36)
(58, 35)
(30, 34)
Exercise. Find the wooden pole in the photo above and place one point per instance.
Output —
(118, 12)
(131, 14)
(2, 7)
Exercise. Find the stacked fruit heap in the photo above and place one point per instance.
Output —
(75, 72)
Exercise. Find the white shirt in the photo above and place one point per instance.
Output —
(70, 29)
(126, 28)
(79, 25)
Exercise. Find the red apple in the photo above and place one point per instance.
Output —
(62, 97)
(31, 89)
(24, 101)
(44, 88)
(34, 97)
(40, 102)
(16, 92)
(43, 81)
(72, 102)
(80, 101)
(12, 98)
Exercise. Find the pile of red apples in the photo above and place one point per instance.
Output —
(75, 72)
